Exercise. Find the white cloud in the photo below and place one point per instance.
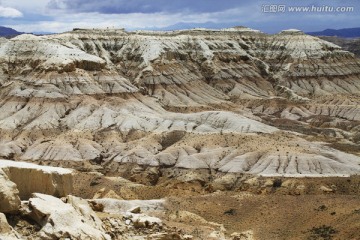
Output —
(33, 6)
(65, 22)
(250, 15)
(8, 12)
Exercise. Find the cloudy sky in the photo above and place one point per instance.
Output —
(63, 15)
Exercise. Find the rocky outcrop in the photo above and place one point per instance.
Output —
(9, 195)
(6, 231)
(30, 178)
(57, 219)
(4, 225)
(114, 206)
(47, 56)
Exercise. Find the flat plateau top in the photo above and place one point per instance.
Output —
(24, 165)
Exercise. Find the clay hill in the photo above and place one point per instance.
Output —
(151, 124)
(351, 45)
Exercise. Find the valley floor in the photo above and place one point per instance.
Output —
(270, 208)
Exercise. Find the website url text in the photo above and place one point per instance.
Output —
(278, 8)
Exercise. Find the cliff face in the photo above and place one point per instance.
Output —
(224, 100)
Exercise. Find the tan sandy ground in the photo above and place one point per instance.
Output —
(271, 213)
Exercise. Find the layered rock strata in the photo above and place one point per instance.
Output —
(234, 100)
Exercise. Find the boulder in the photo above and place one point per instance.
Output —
(9, 195)
(136, 210)
(253, 182)
(74, 219)
(326, 189)
(83, 208)
(4, 225)
(6, 231)
(144, 221)
(224, 183)
(113, 206)
(31, 178)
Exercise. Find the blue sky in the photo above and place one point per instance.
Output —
(63, 15)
